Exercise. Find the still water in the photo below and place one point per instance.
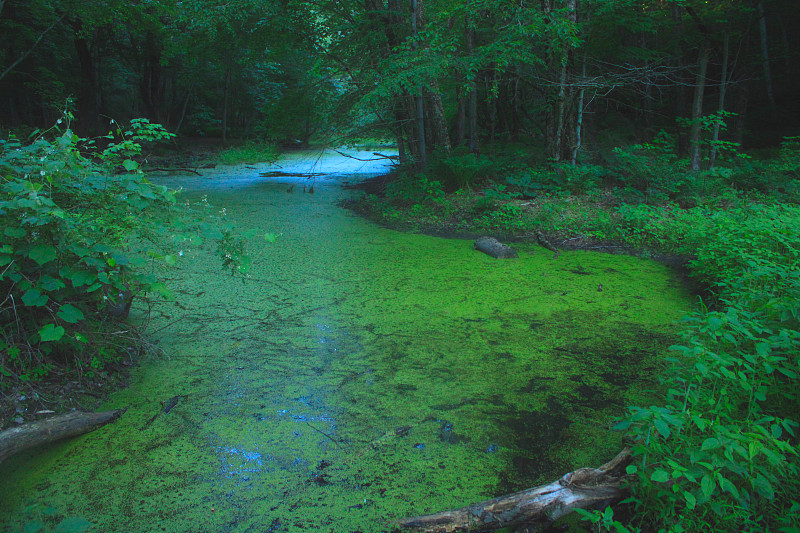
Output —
(355, 376)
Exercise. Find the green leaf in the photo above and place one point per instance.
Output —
(619, 426)
(171, 259)
(660, 476)
(50, 283)
(51, 332)
(710, 444)
(15, 232)
(691, 501)
(707, 486)
(42, 253)
(631, 469)
(130, 165)
(662, 427)
(270, 237)
(70, 313)
(34, 298)
(764, 487)
(728, 486)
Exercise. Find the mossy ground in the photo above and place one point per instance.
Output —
(357, 376)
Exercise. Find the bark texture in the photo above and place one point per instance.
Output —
(493, 247)
(582, 489)
(15, 440)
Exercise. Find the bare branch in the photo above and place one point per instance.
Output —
(24, 55)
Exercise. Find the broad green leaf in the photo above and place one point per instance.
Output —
(171, 259)
(270, 237)
(728, 486)
(70, 313)
(78, 278)
(691, 501)
(15, 232)
(51, 332)
(707, 486)
(764, 487)
(34, 298)
(42, 253)
(660, 476)
(130, 165)
(50, 283)
(710, 444)
(662, 427)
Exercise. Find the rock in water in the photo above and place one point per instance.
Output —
(493, 247)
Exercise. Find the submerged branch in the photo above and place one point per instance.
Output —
(582, 489)
(15, 440)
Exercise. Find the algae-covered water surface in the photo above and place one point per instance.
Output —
(358, 375)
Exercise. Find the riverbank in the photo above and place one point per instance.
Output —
(729, 383)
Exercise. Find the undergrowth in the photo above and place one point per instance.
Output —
(80, 242)
(250, 152)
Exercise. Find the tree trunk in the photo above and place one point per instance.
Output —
(472, 109)
(225, 93)
(762, 27)
(697, 106)
(89, 105)
(723, 86)
(32, 434)
(461, 122)
(439, 133)
(680, 86)
(419, 109)
(584, 488)
(151, 87)
(579, 119)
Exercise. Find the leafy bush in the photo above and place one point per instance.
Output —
(652, 168)
(416, 189)
(64, 262)
(250, 152)
(459, 170)
(721, 452)
(574, 179)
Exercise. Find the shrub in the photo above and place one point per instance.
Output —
(459, 170)
(64, 262)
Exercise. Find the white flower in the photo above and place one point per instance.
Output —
(180, 254)
(42, 172)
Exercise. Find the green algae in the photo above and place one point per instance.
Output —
(357, 376)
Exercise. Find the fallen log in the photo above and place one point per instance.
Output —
(493, 247)
(582, 489)
(14, 440)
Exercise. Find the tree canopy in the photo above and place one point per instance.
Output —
(563, 75)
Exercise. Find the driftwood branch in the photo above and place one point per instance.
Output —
(174, 169)
(493, 247)
(14, 440)
(582, 489)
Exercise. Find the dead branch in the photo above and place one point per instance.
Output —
(15, 440)
(582, 489)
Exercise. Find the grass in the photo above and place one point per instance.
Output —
(250, 153)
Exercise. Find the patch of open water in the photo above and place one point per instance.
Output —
(357, 376)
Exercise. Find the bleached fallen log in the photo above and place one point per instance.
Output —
(493, 247)
(584, 488)
(31, 434)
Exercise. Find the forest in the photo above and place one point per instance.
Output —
(665, 128)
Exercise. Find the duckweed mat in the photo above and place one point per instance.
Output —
(357, 376)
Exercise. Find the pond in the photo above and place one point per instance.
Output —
(356, 376)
